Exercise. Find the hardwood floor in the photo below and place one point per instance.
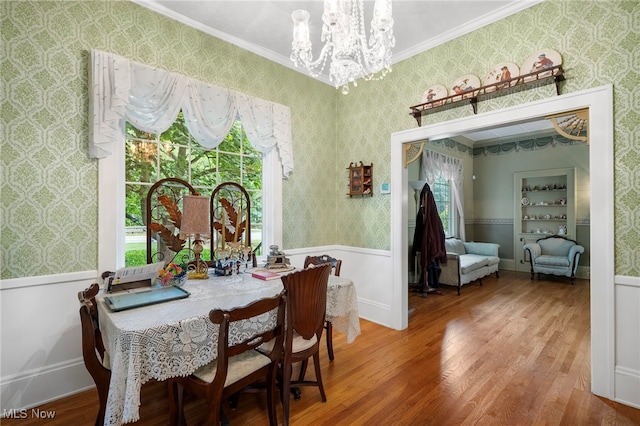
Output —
(512, 352)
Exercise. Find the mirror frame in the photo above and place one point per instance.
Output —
(599, 101)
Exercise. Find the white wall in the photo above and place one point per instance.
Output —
(41, 354)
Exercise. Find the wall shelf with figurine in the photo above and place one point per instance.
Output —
(360, 179)
(541, 78)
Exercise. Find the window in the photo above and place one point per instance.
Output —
(120, 89)
(442, 194)
(174, 153)
(444, 173)
(113, 201)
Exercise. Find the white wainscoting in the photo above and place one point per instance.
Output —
(627, 340)
(41, 339)
(370, 270)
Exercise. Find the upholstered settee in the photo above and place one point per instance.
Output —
(554, 255)
(468, 261)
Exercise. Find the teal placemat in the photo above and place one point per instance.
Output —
(122, 302)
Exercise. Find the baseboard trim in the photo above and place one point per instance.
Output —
(39, 386)
(373, 311)
(627, 388)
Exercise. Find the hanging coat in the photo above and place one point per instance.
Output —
(429, 238)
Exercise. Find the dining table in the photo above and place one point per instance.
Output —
(175, 338)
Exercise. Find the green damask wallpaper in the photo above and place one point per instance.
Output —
(49, 185)
(48, 204)
(600, 44)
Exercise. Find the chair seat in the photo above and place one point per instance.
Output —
(493, 260)
(239, 366)
(547, 260)
(471, 262)
(299, 344)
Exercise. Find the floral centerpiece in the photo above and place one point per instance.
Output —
(172, 274)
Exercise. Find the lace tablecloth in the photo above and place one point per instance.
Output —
(175, 338)
(342, 307)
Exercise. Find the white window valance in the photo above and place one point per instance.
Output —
(436, 165)
(151, 98)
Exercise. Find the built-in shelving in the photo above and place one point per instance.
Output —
(545, 204)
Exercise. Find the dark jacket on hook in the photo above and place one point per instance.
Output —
(429, 237)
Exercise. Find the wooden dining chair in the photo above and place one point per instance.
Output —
(95, 357)
(306, 307)
(237, 365)
(335, 269)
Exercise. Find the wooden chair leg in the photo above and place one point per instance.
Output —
(271, 400)
(176, 401)
(214, 409)
(234, 400)
(329, 328)
(102, 396)
(285, 389)
(303, 370)
(316, 362)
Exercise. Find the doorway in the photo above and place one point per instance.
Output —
(600, 104)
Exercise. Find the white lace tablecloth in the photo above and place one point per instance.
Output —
(175, 338)
(342, 307)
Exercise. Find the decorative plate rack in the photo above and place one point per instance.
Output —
(553, 75)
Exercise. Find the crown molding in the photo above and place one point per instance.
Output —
(481, 21)
(258, 50)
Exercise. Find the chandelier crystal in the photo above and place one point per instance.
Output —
(345, 41)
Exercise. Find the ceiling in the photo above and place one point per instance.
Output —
(264, 27)
(489, 136)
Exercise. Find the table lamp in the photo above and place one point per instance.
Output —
(195, 224)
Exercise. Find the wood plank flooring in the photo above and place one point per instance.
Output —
(512, 352)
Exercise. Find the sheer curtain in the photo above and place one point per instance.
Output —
(150, 98)
(436, 165)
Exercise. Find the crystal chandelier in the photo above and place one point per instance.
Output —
(345, 42)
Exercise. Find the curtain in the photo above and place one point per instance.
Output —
(436, 165)
(151, 98)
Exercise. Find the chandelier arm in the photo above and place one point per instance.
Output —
(309, 64)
